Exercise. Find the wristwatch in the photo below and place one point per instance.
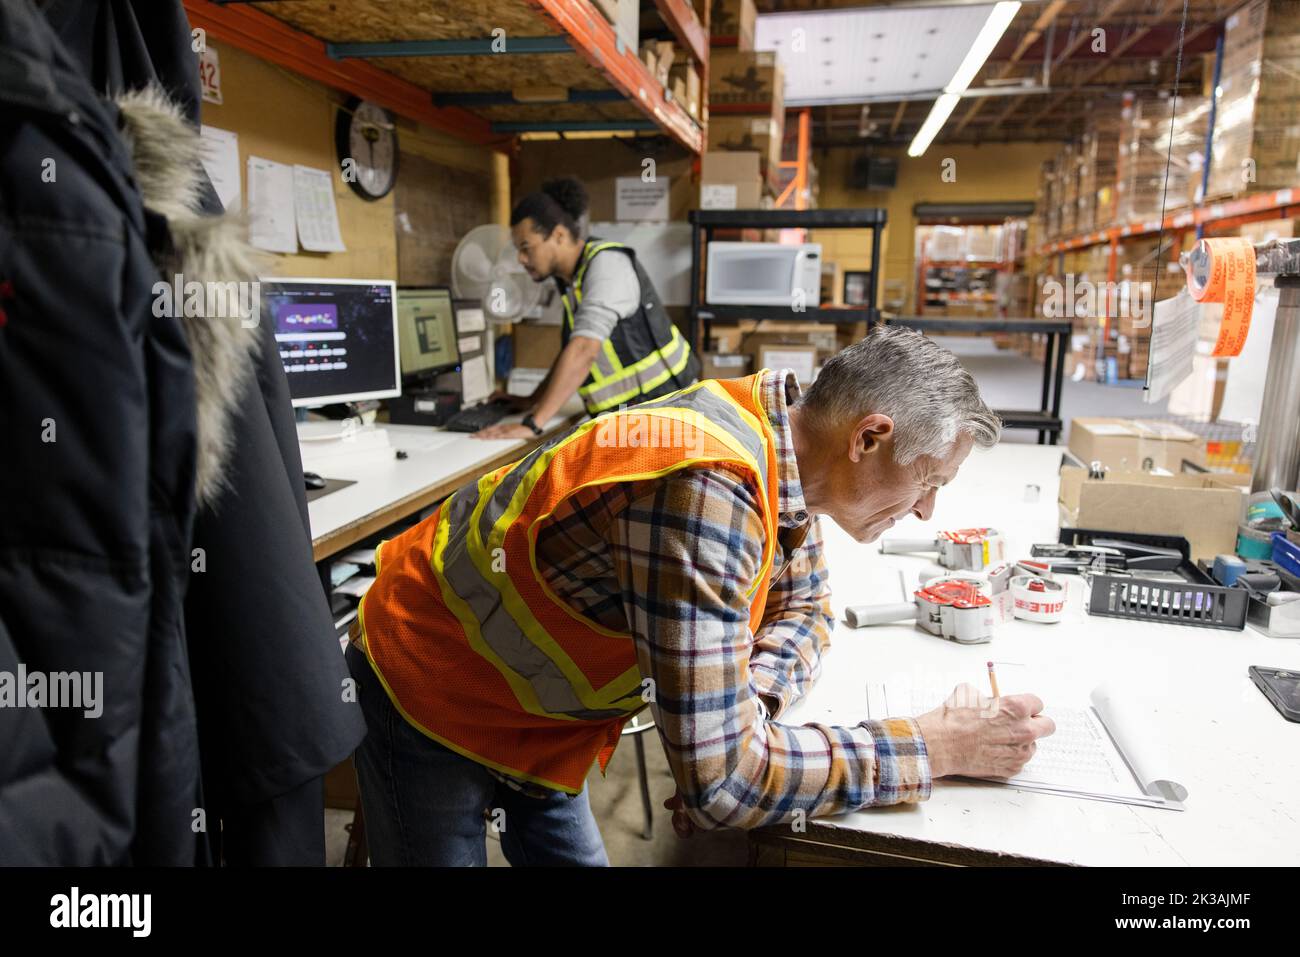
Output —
(530, 423)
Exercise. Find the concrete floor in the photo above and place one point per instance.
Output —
(1007, 380)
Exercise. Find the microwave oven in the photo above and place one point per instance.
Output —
(764, 274)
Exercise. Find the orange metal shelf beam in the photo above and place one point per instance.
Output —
(680, 17)
(593, 37)
(275, 41)
(1276, 204)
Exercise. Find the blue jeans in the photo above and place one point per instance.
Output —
(425, 805)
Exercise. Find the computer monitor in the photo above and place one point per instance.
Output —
(426, 326)
(337, 337)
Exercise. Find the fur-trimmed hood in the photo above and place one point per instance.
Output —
(166, 152)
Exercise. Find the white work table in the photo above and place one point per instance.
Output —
(387, 489)
(1235, 754)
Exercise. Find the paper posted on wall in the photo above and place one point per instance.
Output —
(270, 206)
(315, 211)
(220, 158)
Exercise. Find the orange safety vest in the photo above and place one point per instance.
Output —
(461, 629)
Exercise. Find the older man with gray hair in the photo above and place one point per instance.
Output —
(508, 637)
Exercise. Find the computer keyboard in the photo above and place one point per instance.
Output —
(478, 417)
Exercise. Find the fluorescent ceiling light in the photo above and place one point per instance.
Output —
(1000, 18)
(939, 114)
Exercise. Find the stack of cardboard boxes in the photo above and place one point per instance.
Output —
(1067, 180)
(741, 145)
(1049, 203)
(747, 346)
(1145, 155)
(676, 72)
(1098, 152)
(746, 104)
(1257, 127)
(746, 90)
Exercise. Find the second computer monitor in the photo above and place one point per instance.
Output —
(427, 329)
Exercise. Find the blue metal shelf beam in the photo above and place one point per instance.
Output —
(487, 46)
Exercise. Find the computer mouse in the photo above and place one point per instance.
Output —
(312, 480)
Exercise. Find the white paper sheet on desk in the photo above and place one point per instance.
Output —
(1102, 751)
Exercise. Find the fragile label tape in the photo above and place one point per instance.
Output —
(1223, 270)
(1038, 599)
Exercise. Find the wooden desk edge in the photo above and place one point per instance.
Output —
(345, 536)
(827, 844)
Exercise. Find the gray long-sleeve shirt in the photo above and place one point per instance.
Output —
(610, 292)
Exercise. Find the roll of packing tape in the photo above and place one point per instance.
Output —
(1223, 270)
(1038, 599)
(979, 581)
(1252, 543)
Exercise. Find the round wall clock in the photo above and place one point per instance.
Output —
(366, 137)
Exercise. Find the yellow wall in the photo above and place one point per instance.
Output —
(987, 173)
(284, 117)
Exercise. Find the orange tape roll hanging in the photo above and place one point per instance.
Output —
(1223, 270)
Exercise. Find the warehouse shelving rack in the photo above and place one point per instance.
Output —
(705, 221)
(331, 53)
(1208, 218)
(1045, 420)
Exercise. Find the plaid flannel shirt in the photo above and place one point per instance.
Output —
(669, 560)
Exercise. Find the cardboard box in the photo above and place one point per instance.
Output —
(758, 134)
(730, 180)
(684, 70)
(734, 20)
(600, 164)
(625, 17)
(535, 345)
(802, 346)
(747, 78)
(802, 359)
(1204, 509)
(1125, 444)
(724, 365)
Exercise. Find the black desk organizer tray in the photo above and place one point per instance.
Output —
(1198, 600)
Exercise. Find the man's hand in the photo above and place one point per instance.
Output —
(681, 822)
(983, 737)
(504, 431)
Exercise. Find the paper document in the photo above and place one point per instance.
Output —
(356, 586)
(1173, 344)
(475, 384)
(1083, 759)
(314, 209)
(270, 206)
(1243, 393)
(220, 158)
(470, 320)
